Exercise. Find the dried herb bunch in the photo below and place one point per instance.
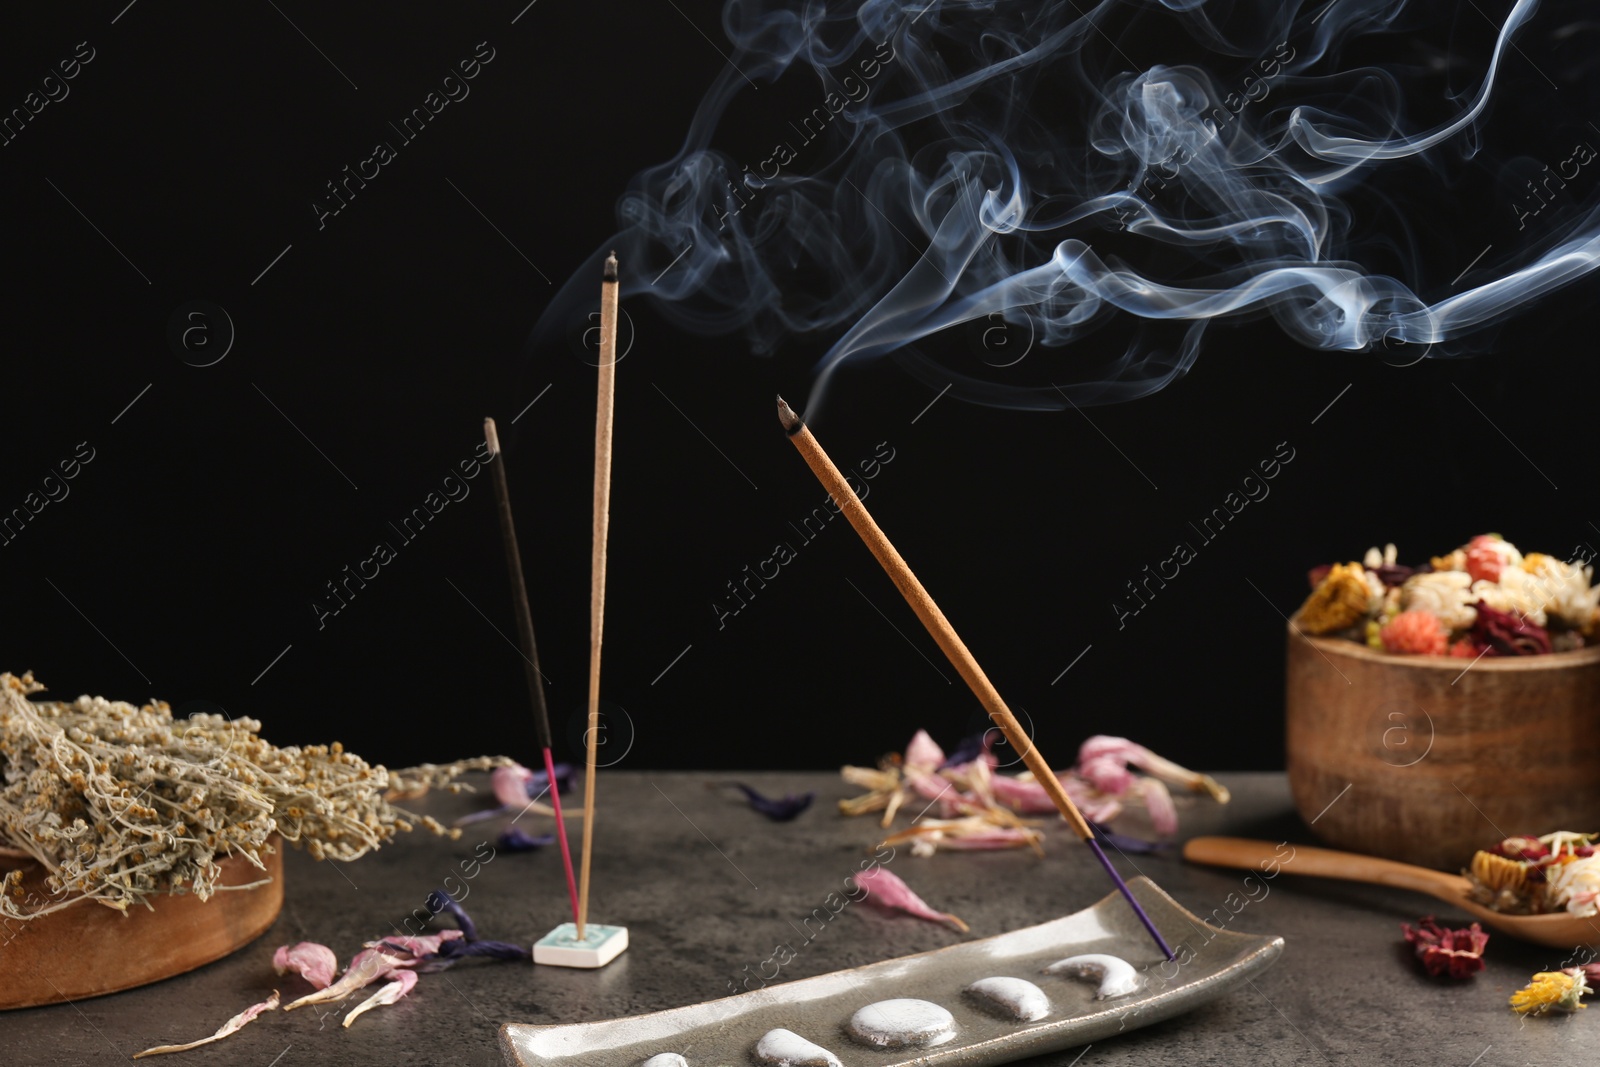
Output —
(120, 802)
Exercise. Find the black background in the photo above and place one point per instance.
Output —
(190, 550)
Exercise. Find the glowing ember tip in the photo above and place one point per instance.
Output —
(610, 273)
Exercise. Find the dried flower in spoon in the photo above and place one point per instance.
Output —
(232, 1026)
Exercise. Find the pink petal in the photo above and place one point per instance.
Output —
(1158, 801)
(315, 963)
(1000, 837)
(232, 1026)
(367, 967)
(1029, 798)
(890, 892)
(404, 982)
(511, 785)
(1103, 761)
(424, 945)
(923, 753)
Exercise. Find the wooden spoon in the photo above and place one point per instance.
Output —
(1558, 930)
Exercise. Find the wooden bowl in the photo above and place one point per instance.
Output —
(1421, 759)
(89, 949)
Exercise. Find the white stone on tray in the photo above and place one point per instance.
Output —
(1014, 997)
(665, 1059)
(1116, 976)
(902, 1023)
(785, 1048)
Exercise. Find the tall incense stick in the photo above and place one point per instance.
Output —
(604, 407)
(950, 644)
(530, 650)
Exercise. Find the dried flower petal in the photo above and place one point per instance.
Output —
(885, 887)
(1125, 843)
(409, 946)
(1447, 953)
(441, 901)
(404, 982)
(516, 839)
(510, 785)
(315, 963)
(923, 752)
(780, 810)
(367, 967)
(232, 1026)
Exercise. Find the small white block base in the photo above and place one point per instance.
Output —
(600, 945)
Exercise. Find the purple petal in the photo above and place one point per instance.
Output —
(1124, 843)
(440, 901)
(516, 839)
(540, 780)
(777, 810)
(497, 950)
(970, 748)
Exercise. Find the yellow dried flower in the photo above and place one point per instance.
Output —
(1339, 602)
(1552, 991)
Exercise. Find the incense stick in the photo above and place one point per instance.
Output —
(530, 650)
(604, 408)
(950, 643)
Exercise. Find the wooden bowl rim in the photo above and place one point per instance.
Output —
(1338, 646)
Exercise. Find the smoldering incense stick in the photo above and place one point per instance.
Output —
(604, 408)
(950, 644)
(530, 649)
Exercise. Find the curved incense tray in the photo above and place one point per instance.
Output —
(725, 1032)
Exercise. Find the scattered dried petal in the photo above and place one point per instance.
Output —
(232, 1026)
(404, 982)
(516, 839)
(315, 963)
(887, 888)
(780, 810)
(367, 967)
(1444, 952)
(441, 901)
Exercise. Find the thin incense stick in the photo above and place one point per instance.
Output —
(530, 650)
(950, 644)
(604, 408)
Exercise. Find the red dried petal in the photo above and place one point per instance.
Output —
(1509, 634)
(1445, 952)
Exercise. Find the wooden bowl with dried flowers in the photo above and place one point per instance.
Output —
(134, 847)
(1434, 708)
(85, 950)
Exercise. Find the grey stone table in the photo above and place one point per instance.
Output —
(709, 888)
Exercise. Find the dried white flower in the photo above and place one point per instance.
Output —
(1564, 589)
(1447, 594)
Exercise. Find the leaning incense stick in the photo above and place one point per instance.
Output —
(530, 650)
(950, 644)
(604, 407)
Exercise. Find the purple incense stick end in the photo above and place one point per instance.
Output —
(1122, 887)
